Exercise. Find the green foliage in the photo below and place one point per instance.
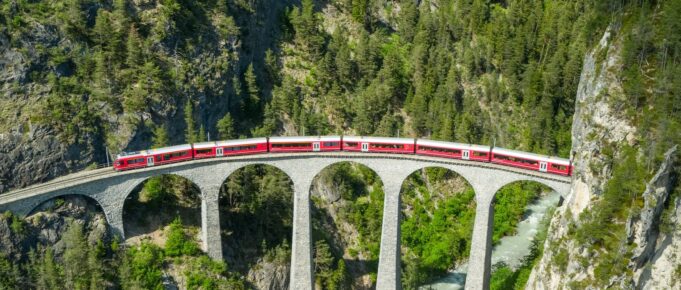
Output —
(204, 273)
(160, 138)
(145, 264)
(510, 204)
(503, 277)
(437, 228)
(256, 204)
(225, 127)
(178, 243)
(154, 190)
(252, 88)
(190, 132)
(9, 273)
(17, 226)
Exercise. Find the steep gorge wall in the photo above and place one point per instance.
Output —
(600, 131)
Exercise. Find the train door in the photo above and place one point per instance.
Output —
(315, 146)
(543, 166)
(150, 161)
(219, 152)
(365, 147)
(466, 154)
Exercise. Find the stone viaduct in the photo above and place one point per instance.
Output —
(110, 189)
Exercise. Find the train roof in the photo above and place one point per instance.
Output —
(229, 143)
(303, 138)
(169, 149)
(453, 145)
(143, 153)
(532, 156)
(378, 139)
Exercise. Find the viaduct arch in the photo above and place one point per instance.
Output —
(110, 189)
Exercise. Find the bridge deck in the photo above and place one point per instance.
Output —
(103, 173)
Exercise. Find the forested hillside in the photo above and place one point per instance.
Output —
(83, 77)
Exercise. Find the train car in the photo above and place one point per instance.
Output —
(130, 160)
(169, 155)
(153, 157)
(531, 161)
(305, 144)
(229, 148)
(378, 144)
(453, 150)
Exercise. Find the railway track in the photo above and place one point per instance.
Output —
(103, 171)
(106, 171)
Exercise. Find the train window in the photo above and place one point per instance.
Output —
(158, 158)
(442, 150)
(479, 154)
(558, 167)
(133, 161)
(515, 159)
(387, 146)
(239, 148)
(290, 145)
(330, 144)
(204, 151)
(174, 155)
(350, 144)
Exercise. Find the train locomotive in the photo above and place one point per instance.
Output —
(441, 149)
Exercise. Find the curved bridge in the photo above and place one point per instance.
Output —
(110, 189)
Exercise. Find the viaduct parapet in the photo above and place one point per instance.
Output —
(110, 189)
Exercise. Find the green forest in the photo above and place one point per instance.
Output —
(190, 69)
(128, 75)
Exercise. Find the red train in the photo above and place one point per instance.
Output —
(479, 153)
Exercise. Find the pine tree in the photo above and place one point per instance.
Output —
(102, 29)
(190, 133)
(75, 258)
(359, 10)
(49, 275)
(134, 46)
(74, 17)
(225, 127)
(272, 66)
(252, 88)
(160, 138)
(202, 134)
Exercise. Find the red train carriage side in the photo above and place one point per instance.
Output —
(452, 150)
(242, 147)
(305, 144)
(153, 157)
(169, 155)
(229, 148)
(130, 160)
(204, 150)
(531, 161)
(378, 144)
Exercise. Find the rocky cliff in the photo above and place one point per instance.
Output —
(80, 77)
(648, 236)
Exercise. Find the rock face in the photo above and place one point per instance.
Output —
(49, 223)
(598, 125)
(270, 275)
(38, 156)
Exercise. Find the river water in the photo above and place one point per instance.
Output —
(511, 249)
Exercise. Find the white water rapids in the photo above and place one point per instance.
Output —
(510, 250)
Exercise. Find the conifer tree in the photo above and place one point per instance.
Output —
(134, 47)
(190, 133)
(225, 127)
(160, 138)
(252, 88)
(202, 134)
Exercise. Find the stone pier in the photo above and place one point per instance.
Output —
(110, 190)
